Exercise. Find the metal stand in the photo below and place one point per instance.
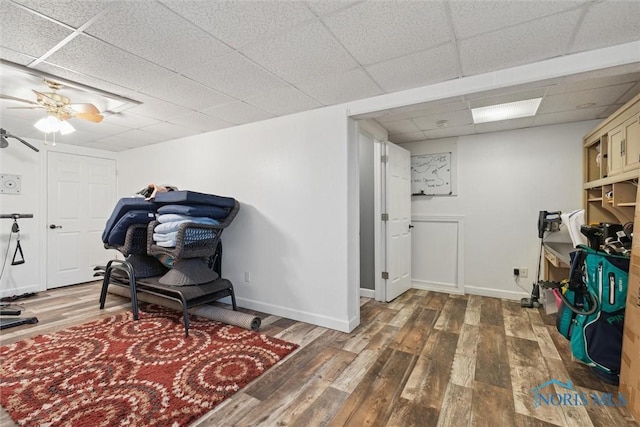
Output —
(8, 309)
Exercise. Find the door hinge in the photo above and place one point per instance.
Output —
(385, 275)
(385, 217)
(384, 159)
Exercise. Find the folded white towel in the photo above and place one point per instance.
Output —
(165, 237)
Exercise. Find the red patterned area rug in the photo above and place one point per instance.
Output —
(115, 371)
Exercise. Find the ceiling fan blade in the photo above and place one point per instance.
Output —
(25, 108)
(84, 108)
(96, 118)
(13, 98)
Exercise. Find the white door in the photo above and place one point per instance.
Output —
(398, 230)
(80, 198)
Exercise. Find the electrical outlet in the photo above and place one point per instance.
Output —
(523, 272)
(247, 277)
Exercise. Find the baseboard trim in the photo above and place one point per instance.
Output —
(495, 293)
(367, 293)
(299, 315)
(448, 288)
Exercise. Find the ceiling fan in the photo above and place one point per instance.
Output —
(59, 105)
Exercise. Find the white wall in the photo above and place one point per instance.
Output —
(291, 234)
(503, 180)
(17, 159)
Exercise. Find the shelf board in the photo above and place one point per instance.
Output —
(625, 176)
(595, 199)
(627, 204)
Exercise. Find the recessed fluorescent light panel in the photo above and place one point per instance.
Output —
(510, 110)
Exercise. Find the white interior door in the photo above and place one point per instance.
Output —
(80, 198)
(398, 230)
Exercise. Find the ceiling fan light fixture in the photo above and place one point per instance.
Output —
(510, 110)
(66, 128)
(52, 124)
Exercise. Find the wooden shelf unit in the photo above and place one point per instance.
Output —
(612, 166)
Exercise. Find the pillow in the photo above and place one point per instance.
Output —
(169, 227)
(119, 231)
(123, 206)
(195, 210)
(195, 198)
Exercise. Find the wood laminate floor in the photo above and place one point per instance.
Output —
(425, 359)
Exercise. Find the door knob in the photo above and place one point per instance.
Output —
(52, 226)
(410, 226)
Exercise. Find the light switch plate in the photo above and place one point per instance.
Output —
(10, 184)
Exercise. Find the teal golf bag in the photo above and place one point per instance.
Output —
(591, 315)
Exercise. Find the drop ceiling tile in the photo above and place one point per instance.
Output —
(133, 138)
(158, 109)
(185, 92)
(105, 146)
(301, 55)
(326, 7)
(234, 75)
(240, 22)
(417, 69)
(238, 113)
(518, 45)
(103, 61)
(471, 18)
(633, 91)
(453, 118)
(401, 126)
(71, 12)
(504, 125)
(158, 34)
(128, 120)
(608, 23)
(201, 122)
(407, 137)
(343, 87)
(610, 110)
(578, 85)
(506, 97)
(449, 132)
(568, 116)
(86, 80)
(169, 131)
(15, 57)
(424, 109)
(283, 101)
(104, 127)
(76, 138)
(377, 31)
(569, 101)
(28, 34)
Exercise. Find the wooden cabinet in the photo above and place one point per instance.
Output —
(611, 166)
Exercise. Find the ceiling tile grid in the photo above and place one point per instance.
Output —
(201, 66)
